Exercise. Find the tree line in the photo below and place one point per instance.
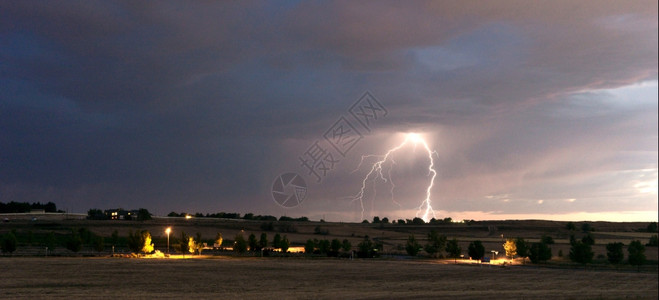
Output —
(24, 207)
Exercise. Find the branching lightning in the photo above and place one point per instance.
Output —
(375, 173)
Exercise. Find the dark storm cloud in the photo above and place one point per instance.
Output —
(127, 103)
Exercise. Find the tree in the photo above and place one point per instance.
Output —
(285, 243)
(547, 240)
(522, 249)
(99, 243)
(74, 242)
(320, 230)
(614, 252)
(218, 240)
(385, 220)
(134, 243)
(85, 235)
(581, 252)
(570, 226)
(143, 214)
(323, 246)
(267, 226)
(412, 246)
(511, 248)
(539, 252)
(263, 240)
(653, 242)
(276, 242)
(418, 221)
(346, 245)
(147, 245)
(436, 243)
(96, 214)
(588, 239)
(114, 238)
(9, 243)
(239, 243)
(365, 248)
(636, 254)
(376, 220)
(652, 227)
(253, 243)
(335, 246)
(309, 247)
(453, 249)
(50, 241)
(585, 227)
(195, 246)
(476, 250)
(184, 245)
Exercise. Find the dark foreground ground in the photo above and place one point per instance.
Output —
(296, 278)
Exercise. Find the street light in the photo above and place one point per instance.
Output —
(167, 231)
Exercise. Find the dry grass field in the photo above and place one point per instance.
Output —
(304, 278)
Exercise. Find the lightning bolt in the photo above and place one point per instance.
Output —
(375, 173)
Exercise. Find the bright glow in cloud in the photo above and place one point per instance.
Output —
(425, 211)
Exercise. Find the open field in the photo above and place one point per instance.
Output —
(296, 278)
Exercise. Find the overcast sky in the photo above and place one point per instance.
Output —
(534, 109)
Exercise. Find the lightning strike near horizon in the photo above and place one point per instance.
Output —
(376, 173)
